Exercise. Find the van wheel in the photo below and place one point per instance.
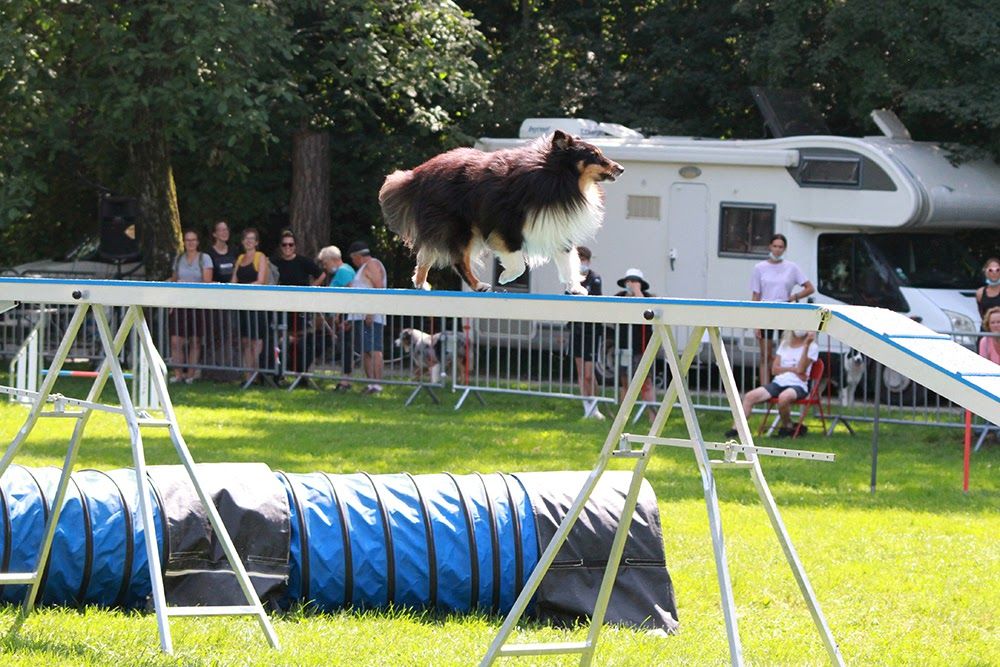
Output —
(901, 391)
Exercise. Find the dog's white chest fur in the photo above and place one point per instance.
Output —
(554, 229)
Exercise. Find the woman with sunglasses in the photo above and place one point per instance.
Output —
(296, 269)
(988, 296)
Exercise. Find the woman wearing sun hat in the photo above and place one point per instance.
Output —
(632, 339)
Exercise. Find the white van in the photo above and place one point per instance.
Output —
(871, 220)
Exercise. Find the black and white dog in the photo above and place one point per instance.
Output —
(855, 365)
(429, 351)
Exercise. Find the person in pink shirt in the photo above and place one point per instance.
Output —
(989, 346)
(775, 279)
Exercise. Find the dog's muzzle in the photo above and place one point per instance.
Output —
(614, 172)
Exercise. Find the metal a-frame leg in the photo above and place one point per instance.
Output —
(679, 370)
(254, 606)
(764, 491)
(34, 577)
(111, 367)
(498, 647)
(677, 391)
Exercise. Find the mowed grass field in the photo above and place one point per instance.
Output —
(907, 576)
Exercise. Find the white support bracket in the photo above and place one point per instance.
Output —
(135, 420)
(737, 455)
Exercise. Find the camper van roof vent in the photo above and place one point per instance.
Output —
(788, 113)
(581, 127)
(889, 123)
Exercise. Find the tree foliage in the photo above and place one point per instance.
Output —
(221, 88)
(112, 89)
(392, 82)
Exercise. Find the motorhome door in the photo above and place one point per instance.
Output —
(686, 244)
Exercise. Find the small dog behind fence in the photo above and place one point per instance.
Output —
(431, 353)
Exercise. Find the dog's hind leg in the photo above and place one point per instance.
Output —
(464, 269)
(513, 266)
(420, 276)
(568, 264)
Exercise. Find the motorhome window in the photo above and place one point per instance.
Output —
(821, 167)
(830, 171)
(745, 229)
(520, 284)
(929, 261)
(642, 208)
(853, 271)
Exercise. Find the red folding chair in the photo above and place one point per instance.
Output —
(805, 404)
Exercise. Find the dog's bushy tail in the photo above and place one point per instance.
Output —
(397, 206)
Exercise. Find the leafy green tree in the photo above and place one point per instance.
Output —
(936, 63)
(383, 84)
(122, 86)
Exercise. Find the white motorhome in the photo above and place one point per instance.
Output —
(871, 220)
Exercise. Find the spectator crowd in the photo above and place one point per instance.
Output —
(785, 357)
(256, 333)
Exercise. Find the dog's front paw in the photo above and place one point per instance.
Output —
(510, 275)
(484, 287)
(576, 289)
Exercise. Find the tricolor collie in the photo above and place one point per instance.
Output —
(526, 204)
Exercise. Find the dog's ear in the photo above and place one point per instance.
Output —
(561, 140)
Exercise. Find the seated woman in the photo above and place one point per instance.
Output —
(790, 370)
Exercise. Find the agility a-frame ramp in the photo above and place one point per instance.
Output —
(931, 359)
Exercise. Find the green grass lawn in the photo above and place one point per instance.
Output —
(907, 576)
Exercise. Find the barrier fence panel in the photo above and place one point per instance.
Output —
(476, 356)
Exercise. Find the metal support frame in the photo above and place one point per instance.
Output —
(135, 420)
(469, 391)
(423, 387)
(620, 444)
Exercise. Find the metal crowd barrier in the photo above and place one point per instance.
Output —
(476, 358)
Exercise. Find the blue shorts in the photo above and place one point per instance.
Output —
(367, 337)
(773, 388)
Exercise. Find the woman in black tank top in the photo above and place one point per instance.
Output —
(253, 323)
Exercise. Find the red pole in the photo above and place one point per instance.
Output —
(968, 451)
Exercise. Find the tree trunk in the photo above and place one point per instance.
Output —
(160, 219)
(310, 205)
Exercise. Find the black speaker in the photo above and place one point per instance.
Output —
(119, 218)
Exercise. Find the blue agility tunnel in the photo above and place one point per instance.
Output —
(452, 543)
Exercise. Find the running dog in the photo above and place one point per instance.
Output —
(527, 205)
(429, 351)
